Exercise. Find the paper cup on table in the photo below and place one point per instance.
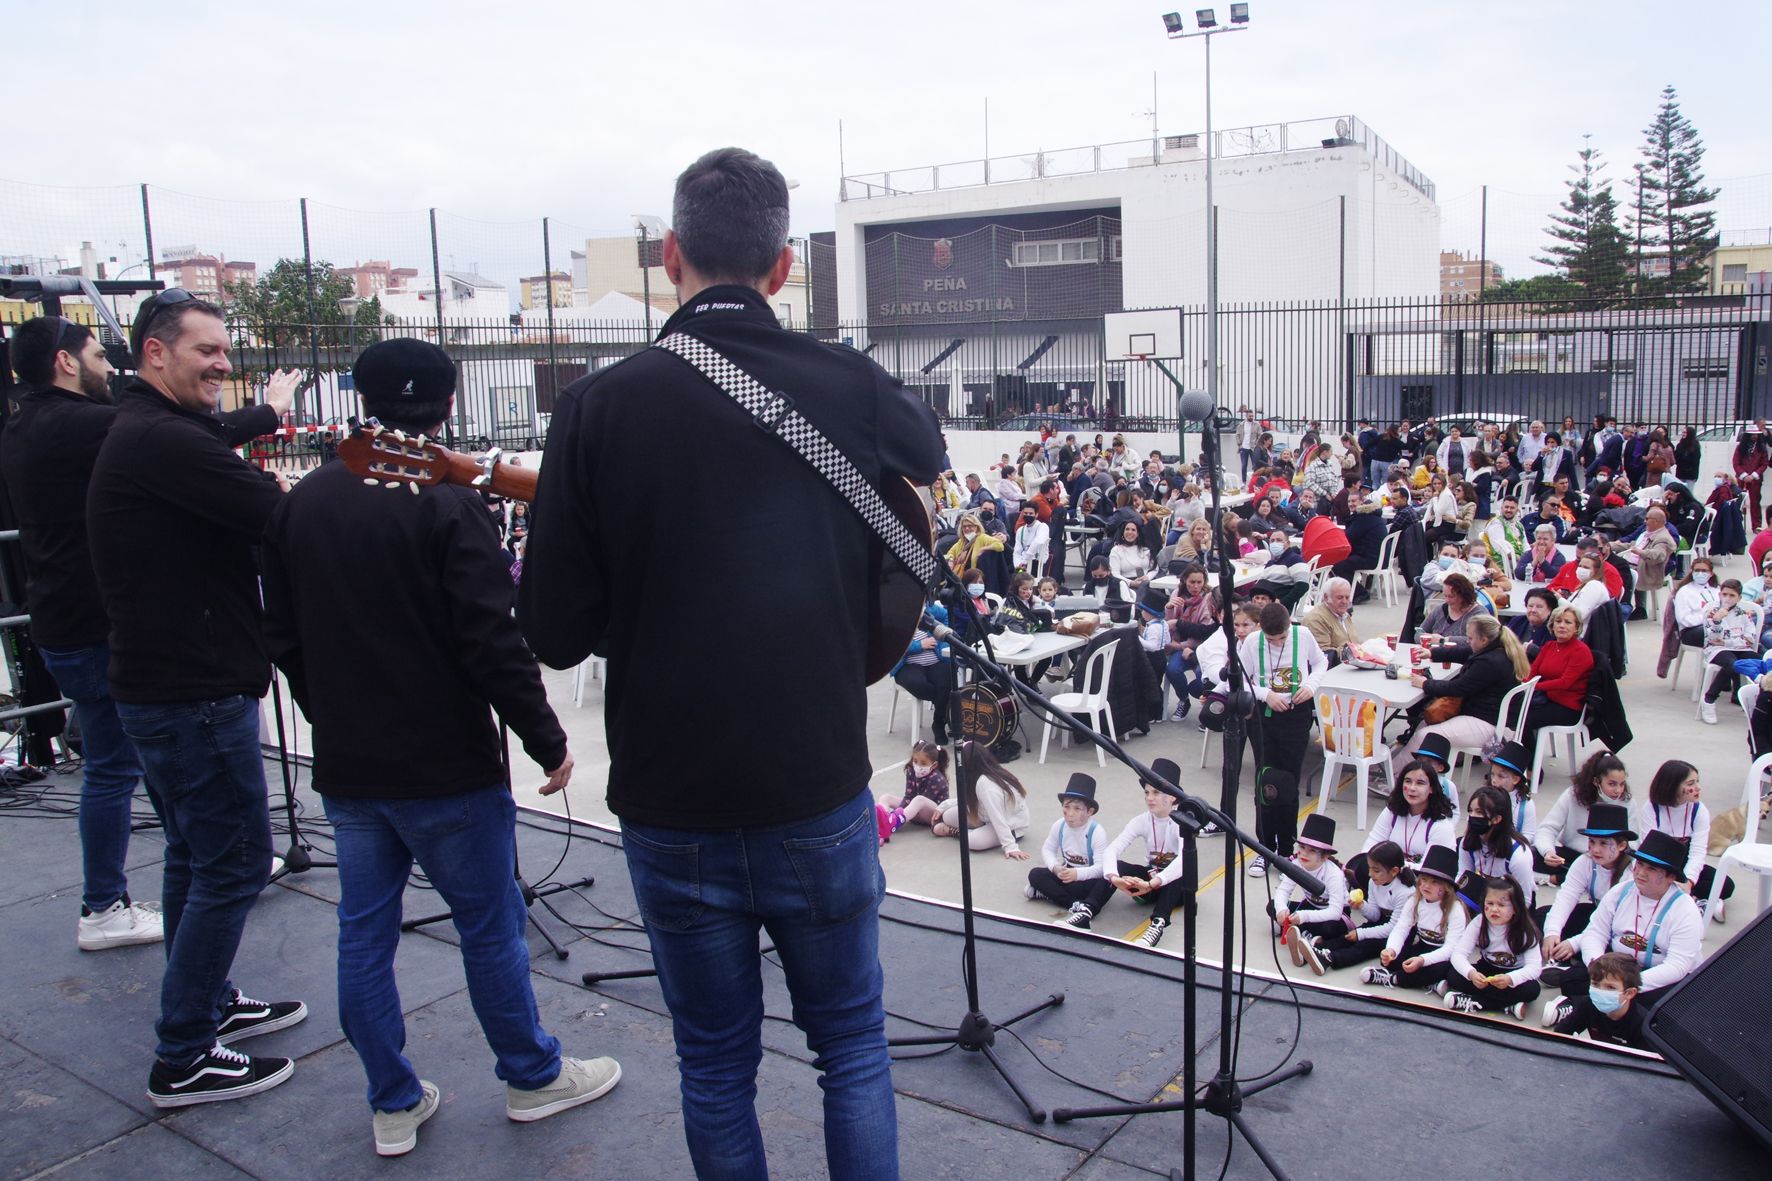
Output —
(1390, 638)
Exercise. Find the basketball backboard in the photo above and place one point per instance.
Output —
(1153, 332)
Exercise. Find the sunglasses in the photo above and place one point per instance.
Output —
(150, 311)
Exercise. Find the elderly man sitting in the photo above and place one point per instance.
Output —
(1331, 621)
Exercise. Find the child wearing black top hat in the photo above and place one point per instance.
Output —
(1420, 944)
(1371, 912)
(1165, 878)
(1436, 751)
(1510, 770)
(1649, 916)
(1589, 877)
(1075, 854)
(1496, 962)
(1296, 920)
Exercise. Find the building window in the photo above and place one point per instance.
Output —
(1060, 253)
(1734, 272)
(1116, 248)
(1619, 365)
(1705, 368)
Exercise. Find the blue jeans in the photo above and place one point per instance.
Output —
(1244, 455)
(466, 844)
(1180, 665)
(815, 886)
(1377, 472)
(204, 771)
(111, 771)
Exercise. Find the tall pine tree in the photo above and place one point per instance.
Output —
(1670, 219)
(1587, 246)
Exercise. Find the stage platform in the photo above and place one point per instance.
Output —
(1398, 1086)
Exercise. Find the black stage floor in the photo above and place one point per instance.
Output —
(1396, 1090)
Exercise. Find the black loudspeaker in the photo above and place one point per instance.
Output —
(1711, 1028)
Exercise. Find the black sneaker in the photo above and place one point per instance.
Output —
(219, 1075)
(243, 1017)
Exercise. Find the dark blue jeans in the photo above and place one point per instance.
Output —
(815, 886)
(466, 845)
(203, 769)
(111, 772)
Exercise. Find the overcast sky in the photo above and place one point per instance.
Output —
(585, 111)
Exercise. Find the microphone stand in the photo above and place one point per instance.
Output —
(300, 856)
(1224, 1095)
(977, 1032)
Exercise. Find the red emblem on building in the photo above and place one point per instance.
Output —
(944, 254)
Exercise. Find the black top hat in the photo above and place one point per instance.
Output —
(1609, 820)
(1166, 770)
(1513, 756)
(405, 369)
(1318, 832)
(1440, 861)
(1154, 601)
(1437, 748)
(1665, 850)
(1082, 788)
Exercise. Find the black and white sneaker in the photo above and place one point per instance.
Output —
(1461, 1002)
(1316, 956)
(1382, 977)
(219, 1075)
(1080, 916)
(1555, 1010)
(243, 1017)
(1153, 932)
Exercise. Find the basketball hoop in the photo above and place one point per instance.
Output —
(1141, 357)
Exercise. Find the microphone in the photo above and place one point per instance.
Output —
(942, 631)
(1197, 406)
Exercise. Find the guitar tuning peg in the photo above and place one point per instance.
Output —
(400, 436)
(412, 488)
(371, 482)
(421, 440)
(393, 483)
(378, 430)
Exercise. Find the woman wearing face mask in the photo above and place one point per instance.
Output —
(1590, 579)
(1564, 666)
(969, 618)
(1033, 541)
(1693, 597)
(1101, 582)
(973, 543)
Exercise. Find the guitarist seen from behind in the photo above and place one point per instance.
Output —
(723, 834)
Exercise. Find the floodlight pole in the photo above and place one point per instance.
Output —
(1211, 211)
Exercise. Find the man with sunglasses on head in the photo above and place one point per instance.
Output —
(53, 433)
(175, 515)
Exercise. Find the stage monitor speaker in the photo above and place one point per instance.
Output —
(1711, 1028)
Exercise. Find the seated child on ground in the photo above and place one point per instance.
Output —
(1608, 1013)
(1419, 950)
(1496, 962)
(1075, 853)
(925, 787)
(1371, 912)
(1296, 920)
(1164, 878)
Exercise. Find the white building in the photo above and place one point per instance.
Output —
(468, 299)
(990, 277)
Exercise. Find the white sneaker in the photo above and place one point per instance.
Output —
(580, 1080)
(1555, 1009)
(1030, 893)
(121, 924)
(1257, 867)
(1707, 713)
(396, 1132)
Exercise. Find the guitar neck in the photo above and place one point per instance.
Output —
(512, 483)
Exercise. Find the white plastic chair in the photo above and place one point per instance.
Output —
(1747, 697)
(1385, 571)
(1673, 677)
(1509, 721)
(1577, 737)
(1339, 713)
(916, 712)
(1750, 854)
(1097, 672)
(994, 601)
(1701, 540)
(1313, 594)
(593, 663)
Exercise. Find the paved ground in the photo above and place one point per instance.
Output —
(76, 1039)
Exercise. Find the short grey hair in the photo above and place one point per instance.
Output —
(730, 215)
(1337, 584)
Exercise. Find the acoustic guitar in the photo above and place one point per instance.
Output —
(895, 598)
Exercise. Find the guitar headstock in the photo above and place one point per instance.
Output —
(393, 458)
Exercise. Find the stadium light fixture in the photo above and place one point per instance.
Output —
(1172, 23)
(1206, 18)
(1239, 14)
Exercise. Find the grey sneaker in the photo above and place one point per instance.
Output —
(396, 1132)
(580, 1080)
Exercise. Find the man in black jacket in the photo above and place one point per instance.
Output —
(52, 438)
(751, 810)
(398, 655)
(174, 518)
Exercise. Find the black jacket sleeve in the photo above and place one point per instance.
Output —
(278, 625)
(204, 476)
(563, 600)
(477, 581)
(248, 423)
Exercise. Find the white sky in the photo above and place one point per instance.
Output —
(585, 111)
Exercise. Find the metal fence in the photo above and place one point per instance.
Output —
(1703, 363)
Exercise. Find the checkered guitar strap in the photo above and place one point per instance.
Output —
(775, 415)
